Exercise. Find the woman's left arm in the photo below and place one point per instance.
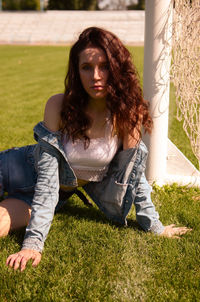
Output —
(148, 217)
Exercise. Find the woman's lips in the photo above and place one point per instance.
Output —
(98, 87)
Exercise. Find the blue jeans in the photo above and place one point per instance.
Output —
(17, 173)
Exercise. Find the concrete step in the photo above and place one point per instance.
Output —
(63, 27)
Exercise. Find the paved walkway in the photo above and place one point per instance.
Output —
(63, 27)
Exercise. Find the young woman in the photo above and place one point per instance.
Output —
(90, 137)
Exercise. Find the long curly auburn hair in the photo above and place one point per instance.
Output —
(128, 109)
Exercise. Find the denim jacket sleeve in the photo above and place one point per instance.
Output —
(146, 214)
(44, 202)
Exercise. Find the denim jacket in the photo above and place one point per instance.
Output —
(124, 184)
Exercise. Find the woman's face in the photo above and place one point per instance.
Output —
(93, 70)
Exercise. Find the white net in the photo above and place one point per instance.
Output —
(186, 68)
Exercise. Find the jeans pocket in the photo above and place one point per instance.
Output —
(29, 154)
(112, 196)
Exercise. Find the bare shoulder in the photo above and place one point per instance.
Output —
(130, 140)
(52, 112)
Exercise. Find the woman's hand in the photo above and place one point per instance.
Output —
(21, 258)
(172, 231)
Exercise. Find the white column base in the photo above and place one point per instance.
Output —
(179, 169)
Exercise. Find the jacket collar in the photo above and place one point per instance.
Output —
(53, 138)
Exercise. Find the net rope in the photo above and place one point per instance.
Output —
(185, 70)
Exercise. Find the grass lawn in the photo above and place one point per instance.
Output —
(87, 258)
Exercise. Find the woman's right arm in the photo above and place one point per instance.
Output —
(45, 197)
(42, 212)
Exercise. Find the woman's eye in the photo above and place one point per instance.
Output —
(105, 67)
(86, 67)
(89, 67)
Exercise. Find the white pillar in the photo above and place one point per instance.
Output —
(158, 20)
(41, 5)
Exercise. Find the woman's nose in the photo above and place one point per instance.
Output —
(97, 74)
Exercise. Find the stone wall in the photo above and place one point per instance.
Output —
(63, 27)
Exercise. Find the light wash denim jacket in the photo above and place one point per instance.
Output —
(124, 184)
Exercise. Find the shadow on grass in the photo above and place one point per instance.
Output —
(18, 235)
(75, 209)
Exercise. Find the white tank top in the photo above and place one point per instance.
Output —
(91, 164)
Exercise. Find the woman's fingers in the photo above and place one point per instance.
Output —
(23, 264)
(17, 262)
(171, 231)
(183, 230)
(176, 237)
(14, 260)
(21, 258)
(37, 260)
(11, 259)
